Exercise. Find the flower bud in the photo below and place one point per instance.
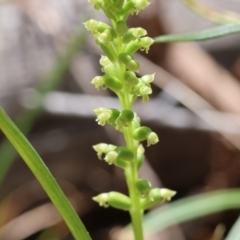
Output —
(152, 139)
(109, 50)
(95, 26)
(164, 193)
(133, 65)
(143, 186)
(153, 198)
(145, 43)
(140, 150)
(121, 163)
(128, 60)
(140, 156)
(132, 47)
(110, 70)
(141, 133)
(102, 26)
(124, 118)
(130, 78)
(125, 58)
(133, 34)
(111, 157)
(156, 195)
(125, 154)
(119, 201)
(115, 114)
(127, 8)
(106, 36)
(161, 193)
(140, 159)
(113, 83)
(113, 199)
(136, 122)
(98, 82)
(103, 114)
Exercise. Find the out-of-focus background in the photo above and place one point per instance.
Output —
(47, 61)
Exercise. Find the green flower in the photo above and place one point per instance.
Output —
(103, 148)
(147, 79)
(98, 82)
(103, 114)
(113, 199)
(152, 139)
(141, 4)
(145, 43)
(111, 157)
(100, 149)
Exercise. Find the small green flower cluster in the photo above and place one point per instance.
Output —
(119, 67)
(123, 202)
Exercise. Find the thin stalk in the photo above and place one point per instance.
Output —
(131, 174)
(135, 212)
(43, 175)
(120, 77)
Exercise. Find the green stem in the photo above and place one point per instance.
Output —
(135, 212)
(131, 174)
(43, 175)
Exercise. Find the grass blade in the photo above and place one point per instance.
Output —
(204, 35)
(191, 208)
(43, 175)
(234, 233)
(211, 14)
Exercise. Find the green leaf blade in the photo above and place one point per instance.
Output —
(226, 29)
(191, 208)
(42, 173)
(234, 233)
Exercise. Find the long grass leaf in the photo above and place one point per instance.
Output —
(191, 208)
(234, 233)
(204, 35)
(43, 175)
